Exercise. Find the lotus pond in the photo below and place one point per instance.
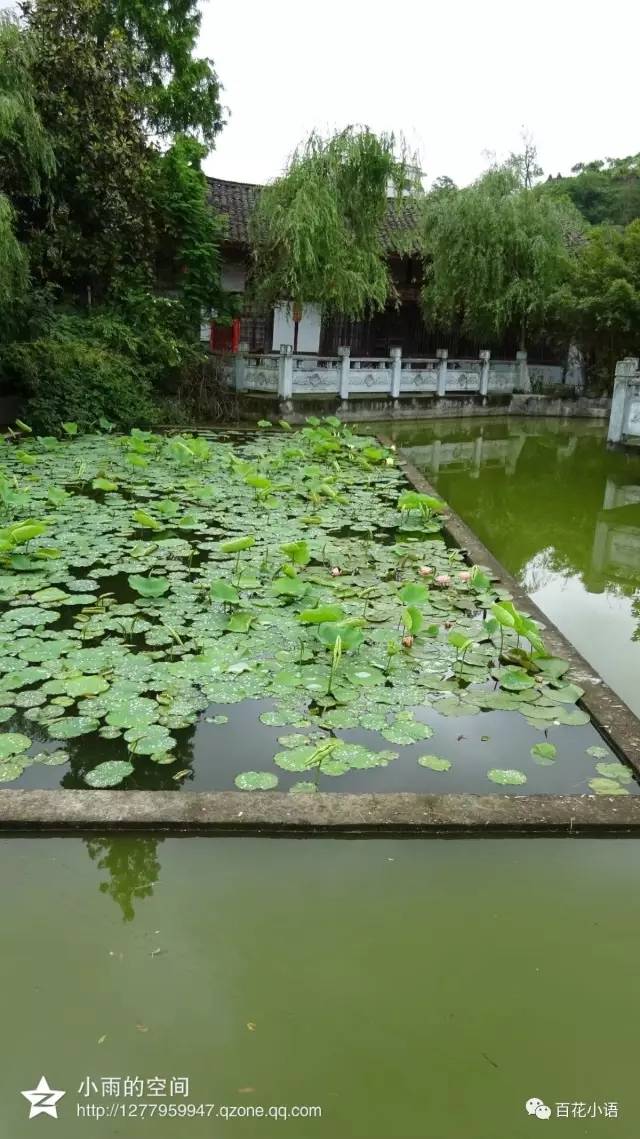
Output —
(276, 610)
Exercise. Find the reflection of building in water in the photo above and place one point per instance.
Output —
(616, 543)
(468, 456)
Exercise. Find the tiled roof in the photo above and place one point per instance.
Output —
(236, 200)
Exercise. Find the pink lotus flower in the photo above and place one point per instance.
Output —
(425, 571)
(464, 575)
(443, 579)
(336, 571)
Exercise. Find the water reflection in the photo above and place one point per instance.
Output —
(561, 512)
(132, 867)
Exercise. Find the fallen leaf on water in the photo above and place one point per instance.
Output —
(156, 952)
(142, 1028)
(246, 1091)
(185, 771)
(101, 1039)
(251, 1026)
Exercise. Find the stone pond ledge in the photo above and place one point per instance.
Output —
(322, 813)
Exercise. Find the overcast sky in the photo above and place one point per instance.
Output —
(457, 77)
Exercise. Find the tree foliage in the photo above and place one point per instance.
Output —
(600, 299)
(606, 191)
(26, 156)
(179, 91)
(98, 226)
(494, 253)
(316, 230)
(189, 232)
(101, 217)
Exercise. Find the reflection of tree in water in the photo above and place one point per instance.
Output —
(132, 865)
(88, 751)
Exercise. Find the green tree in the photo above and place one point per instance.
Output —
(494, 254)
(316, 230)
(600, 301)
(26, 161)
(13, 265)
(188, 231)
(180, 91)
(97, 228)
(26, 156)
(605, 191)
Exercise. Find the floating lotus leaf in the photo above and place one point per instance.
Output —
(10, 769)
(52, 758)
(607, 787)
(598, 752)
(134, 713)
(572, 716)
(615, 771)
(544, 752)
(85, 685)
(13, 743)
(256, 781)
(108, 774)
(515, 679)
(297, 758)
(434, 762)
(302, 788)
(406, 733)
(149, 586)
(68, 727)
(506, 776)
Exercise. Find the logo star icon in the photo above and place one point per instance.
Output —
(43, 1100)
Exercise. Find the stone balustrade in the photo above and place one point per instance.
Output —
(288, 375)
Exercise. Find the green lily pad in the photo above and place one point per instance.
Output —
(256, 781)
(506, 776)
(10, 769)
(108, 774)
(607, 787)
(434, 762)
(302, 788)
(13, 743)
(598, 752)
(615, 771)
(544, 753)
(85, 685)
(68, 727)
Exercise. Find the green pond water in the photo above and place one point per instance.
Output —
(561, 512)
(409, 989)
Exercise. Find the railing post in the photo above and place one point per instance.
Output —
(396, 372)
(524, 383)
(485, 360)
(285, 372)
(442, 354)
(626, 371)
(344, 353)
(240, 367)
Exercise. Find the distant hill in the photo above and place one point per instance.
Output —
(605, 191)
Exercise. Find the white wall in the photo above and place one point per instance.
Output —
(308, 328)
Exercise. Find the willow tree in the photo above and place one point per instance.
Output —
(495, 253)
(26, 161)
(316, 229)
